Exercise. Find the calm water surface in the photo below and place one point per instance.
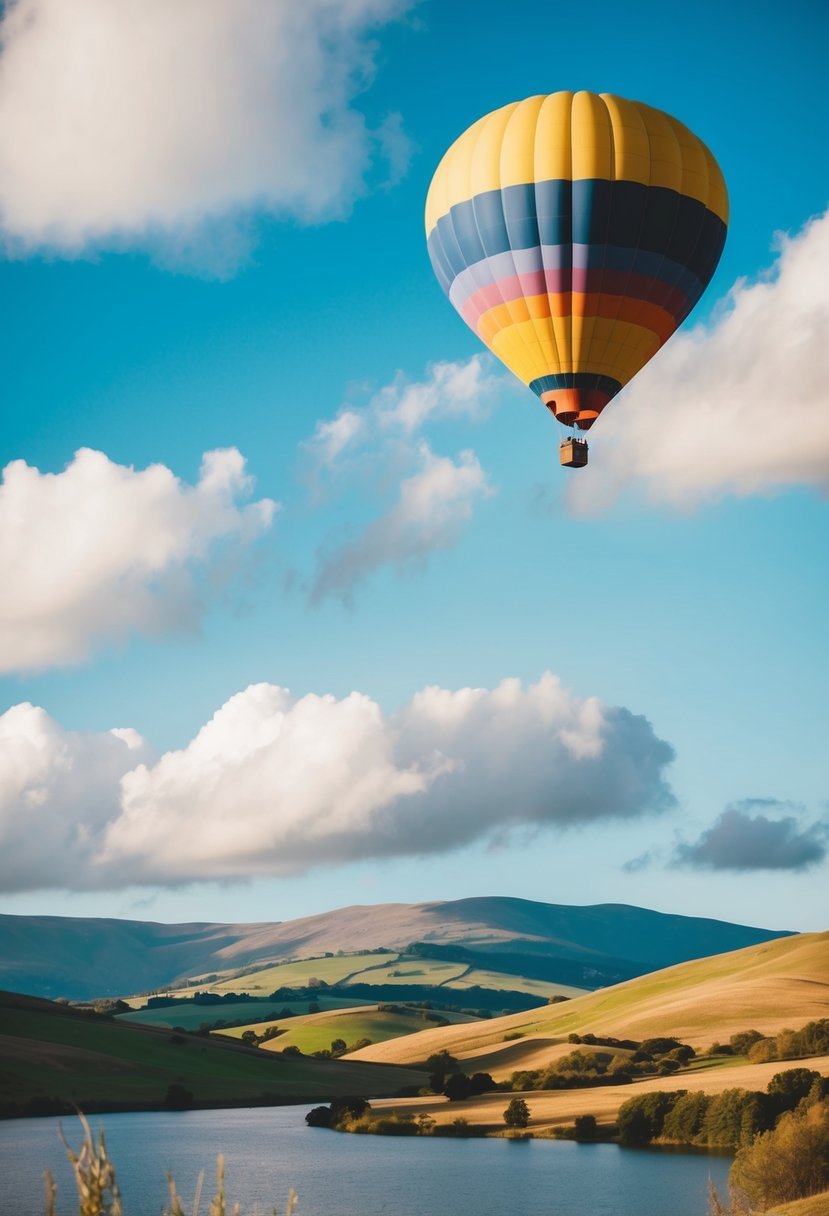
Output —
(268, 1151)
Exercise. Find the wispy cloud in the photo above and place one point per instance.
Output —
(740, 406)
(399, 411)
(278, 785)
(432, 507)
(155, 124)
(100, 551)
(377, 450)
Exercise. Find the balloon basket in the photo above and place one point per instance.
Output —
(573, 453)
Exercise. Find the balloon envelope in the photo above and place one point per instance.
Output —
(574, 233)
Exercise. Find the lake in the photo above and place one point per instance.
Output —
(269, 1150)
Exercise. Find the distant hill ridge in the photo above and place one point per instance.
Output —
(80, 958)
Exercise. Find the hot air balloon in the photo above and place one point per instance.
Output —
(574, 233)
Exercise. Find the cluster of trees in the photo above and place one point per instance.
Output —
(424, 1008)
(446, 1077)
(481, 1002)
(110, 1007)
(355, 1115)
(583, 1069)
(202, 998)
(811, 1040)
(338, 1048)
(338, 1114)
(254, 1040)
(726, 1120)
(595, 1040)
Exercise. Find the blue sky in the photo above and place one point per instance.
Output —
(228, 253)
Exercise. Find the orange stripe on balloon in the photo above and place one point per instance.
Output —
(613, 308)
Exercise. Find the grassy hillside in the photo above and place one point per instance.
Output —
(53, 1054)
(417, 971)
(83, 958)
(389, 969)
(260, 981)
(191, 1016)
(765, 987)
(315, 1031)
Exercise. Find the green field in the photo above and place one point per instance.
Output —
(365, 968)
(515, 983)
(315, 1032)
(53, 1053)
(405, 970)
(299, 974)
(192, 1016)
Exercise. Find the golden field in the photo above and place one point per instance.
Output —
(779, 984)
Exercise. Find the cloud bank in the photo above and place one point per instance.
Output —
(145, 121)
(277, 785)
(378, 444)
(101, 551)
(739, 840)
(737, 407)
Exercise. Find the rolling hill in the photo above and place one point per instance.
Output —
(765, 987)
(584, 947)
(53, 1058)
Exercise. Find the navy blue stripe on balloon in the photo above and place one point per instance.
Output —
(622, 215)
(583, 380)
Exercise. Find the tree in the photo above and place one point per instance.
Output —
(481, 1083)
(585, 1127)
(338, 1047)
(517, 1113)
(743, 1041)
(735, 1116)
(790, 1162)
(792, 1085)
(439, 1066)
(641, 1119)
(343, 1110)
(457, 1087)
(320, 1116)
(441, 1062)
(685, 1122)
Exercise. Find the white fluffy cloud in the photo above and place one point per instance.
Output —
(738, 407)
(58, 793)
(432, 507)
(100, 550)
(122, 122)
(277, 785)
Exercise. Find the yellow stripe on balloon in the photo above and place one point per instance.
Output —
(575, 136)
(620, 350)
